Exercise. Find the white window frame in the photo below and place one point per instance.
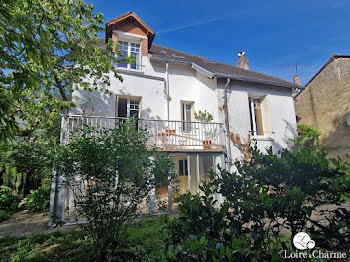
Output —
(128, 105)
(252, 115)
(187, 127)
(265, 118)
(137, 61)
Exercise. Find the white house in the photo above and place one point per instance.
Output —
(165, 87)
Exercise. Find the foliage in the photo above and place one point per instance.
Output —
(117, 166)
(142, 243)
(164, 170)
(203, 116)
(38, 200)
(8, 199)
(4, 215)
(8, 202)
(47, 49)
(308, 136)
(56, 246)
(240, 216)
(28, 160)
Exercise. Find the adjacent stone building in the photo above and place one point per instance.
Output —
(325, 104)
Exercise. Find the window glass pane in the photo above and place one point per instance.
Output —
(258, 117)
(181, 167)
(206, 163)
(134, 108)
(186, 108)
(123, 47)
(122, 110)
(134, 104)
(134, 113)
(252, 129)
(135, 51)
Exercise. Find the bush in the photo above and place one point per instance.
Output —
(240, 216)
(8, 199)
(8, 202)
(38, 200)
(117, 167)
(4, 215)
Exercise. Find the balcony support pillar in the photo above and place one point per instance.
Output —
(229, 160)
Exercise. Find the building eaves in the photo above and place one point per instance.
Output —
(133, 14)
(256, 80)
(215, 68)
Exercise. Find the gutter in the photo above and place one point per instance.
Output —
(202, 70)
(139, 74)
(255, 80)
(227, 125)
(221, 75)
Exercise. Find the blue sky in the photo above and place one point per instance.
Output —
(276, 35)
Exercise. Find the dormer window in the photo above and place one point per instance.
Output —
(128, 49)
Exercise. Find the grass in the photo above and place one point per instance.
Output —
(143, 243)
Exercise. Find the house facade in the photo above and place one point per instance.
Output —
(325, 104)
(165, 89)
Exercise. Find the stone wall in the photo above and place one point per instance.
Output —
(325, 104)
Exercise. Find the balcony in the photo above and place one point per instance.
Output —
(166, 135)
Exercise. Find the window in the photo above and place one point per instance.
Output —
(183, 171)
(256, 116)
(128, 49)
(128, 107)
(186, 109)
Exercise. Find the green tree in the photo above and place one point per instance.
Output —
(47, 49)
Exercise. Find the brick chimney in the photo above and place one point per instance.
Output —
(243, 61)
(296, 80)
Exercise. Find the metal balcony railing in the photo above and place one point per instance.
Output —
(167, 135)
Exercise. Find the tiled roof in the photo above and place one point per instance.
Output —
(218, 69)
(161, 53)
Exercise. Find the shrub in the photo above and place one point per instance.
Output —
(308, 136)
(8, 202)
(8, 199)
(240, 216)
(4, 215)
(38, 200)
(203, 116)
(118, 169)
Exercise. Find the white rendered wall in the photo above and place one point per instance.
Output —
(280, 107)
(186, 84)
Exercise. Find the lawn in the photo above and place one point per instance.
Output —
(143, 244)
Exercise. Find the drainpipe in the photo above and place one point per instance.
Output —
(167, 88)
(170, 188)
(227, 124)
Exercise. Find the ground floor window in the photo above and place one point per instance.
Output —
(193, 168)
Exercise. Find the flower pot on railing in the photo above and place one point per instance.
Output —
(206, 144)
(170, 132)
